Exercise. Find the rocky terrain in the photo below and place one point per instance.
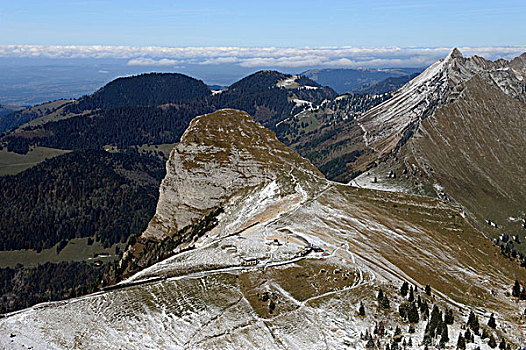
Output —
(467, 149)
(219, 155)
(292, 261)
(382, 130)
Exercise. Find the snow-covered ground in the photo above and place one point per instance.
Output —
(210, 299)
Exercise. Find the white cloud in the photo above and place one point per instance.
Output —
(264, 57)
(152, 62)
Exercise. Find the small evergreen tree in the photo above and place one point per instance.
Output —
(467, 335)
(397, 335)
(385, 302)
(502, 344)
(412, 314)
(473, 322)
(492, 342)
(404, 288)
(492, 322)
(448, 317)
(444, 337)
(424, 310)
(428, 289)
(516, 290)
(461, 343)
(411, 295)
(361, 310)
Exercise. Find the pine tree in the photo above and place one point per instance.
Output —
(492, 322)
(461, 343)
(473, 322)
(397, 334)
(428, 290)
(448, 317)
(411, 295)
(403, 289)
(467, 335)
(424, 310)
(385, 303)
(444, 337)
(492, 343)
(502, 344)
(516, 291)
(412, 314)
(361, 310)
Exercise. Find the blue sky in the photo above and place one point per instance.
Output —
(247, 23)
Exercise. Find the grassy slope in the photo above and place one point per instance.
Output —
(13, 163)
(475, 147)
(76, 250)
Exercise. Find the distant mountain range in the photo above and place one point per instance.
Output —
(352, 80)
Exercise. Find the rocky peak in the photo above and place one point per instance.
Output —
(387, 124)
(455, 53)
(219, 155)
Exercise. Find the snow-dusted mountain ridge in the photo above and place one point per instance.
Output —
(288, 264)
(388, 123)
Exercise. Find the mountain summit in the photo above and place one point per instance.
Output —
(360, 143)
(292, 260)
(219, 155)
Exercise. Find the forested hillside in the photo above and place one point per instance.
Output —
(21, 287)
(122, 126)
(156, 109)
(151, 89)
(86, 193)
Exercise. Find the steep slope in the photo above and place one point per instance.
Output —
(386, 127)
(475, 148)
(390, 123)
(287, 265)
(219, 154)
(469, 149)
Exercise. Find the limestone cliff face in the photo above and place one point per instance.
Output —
(219, 154)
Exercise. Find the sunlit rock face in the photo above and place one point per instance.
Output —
(219, 154)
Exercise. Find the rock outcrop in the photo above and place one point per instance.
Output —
(390, 123)
(219, 154)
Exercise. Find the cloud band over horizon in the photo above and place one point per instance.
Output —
(256, 57)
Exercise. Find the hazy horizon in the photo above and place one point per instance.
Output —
(62, 48)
